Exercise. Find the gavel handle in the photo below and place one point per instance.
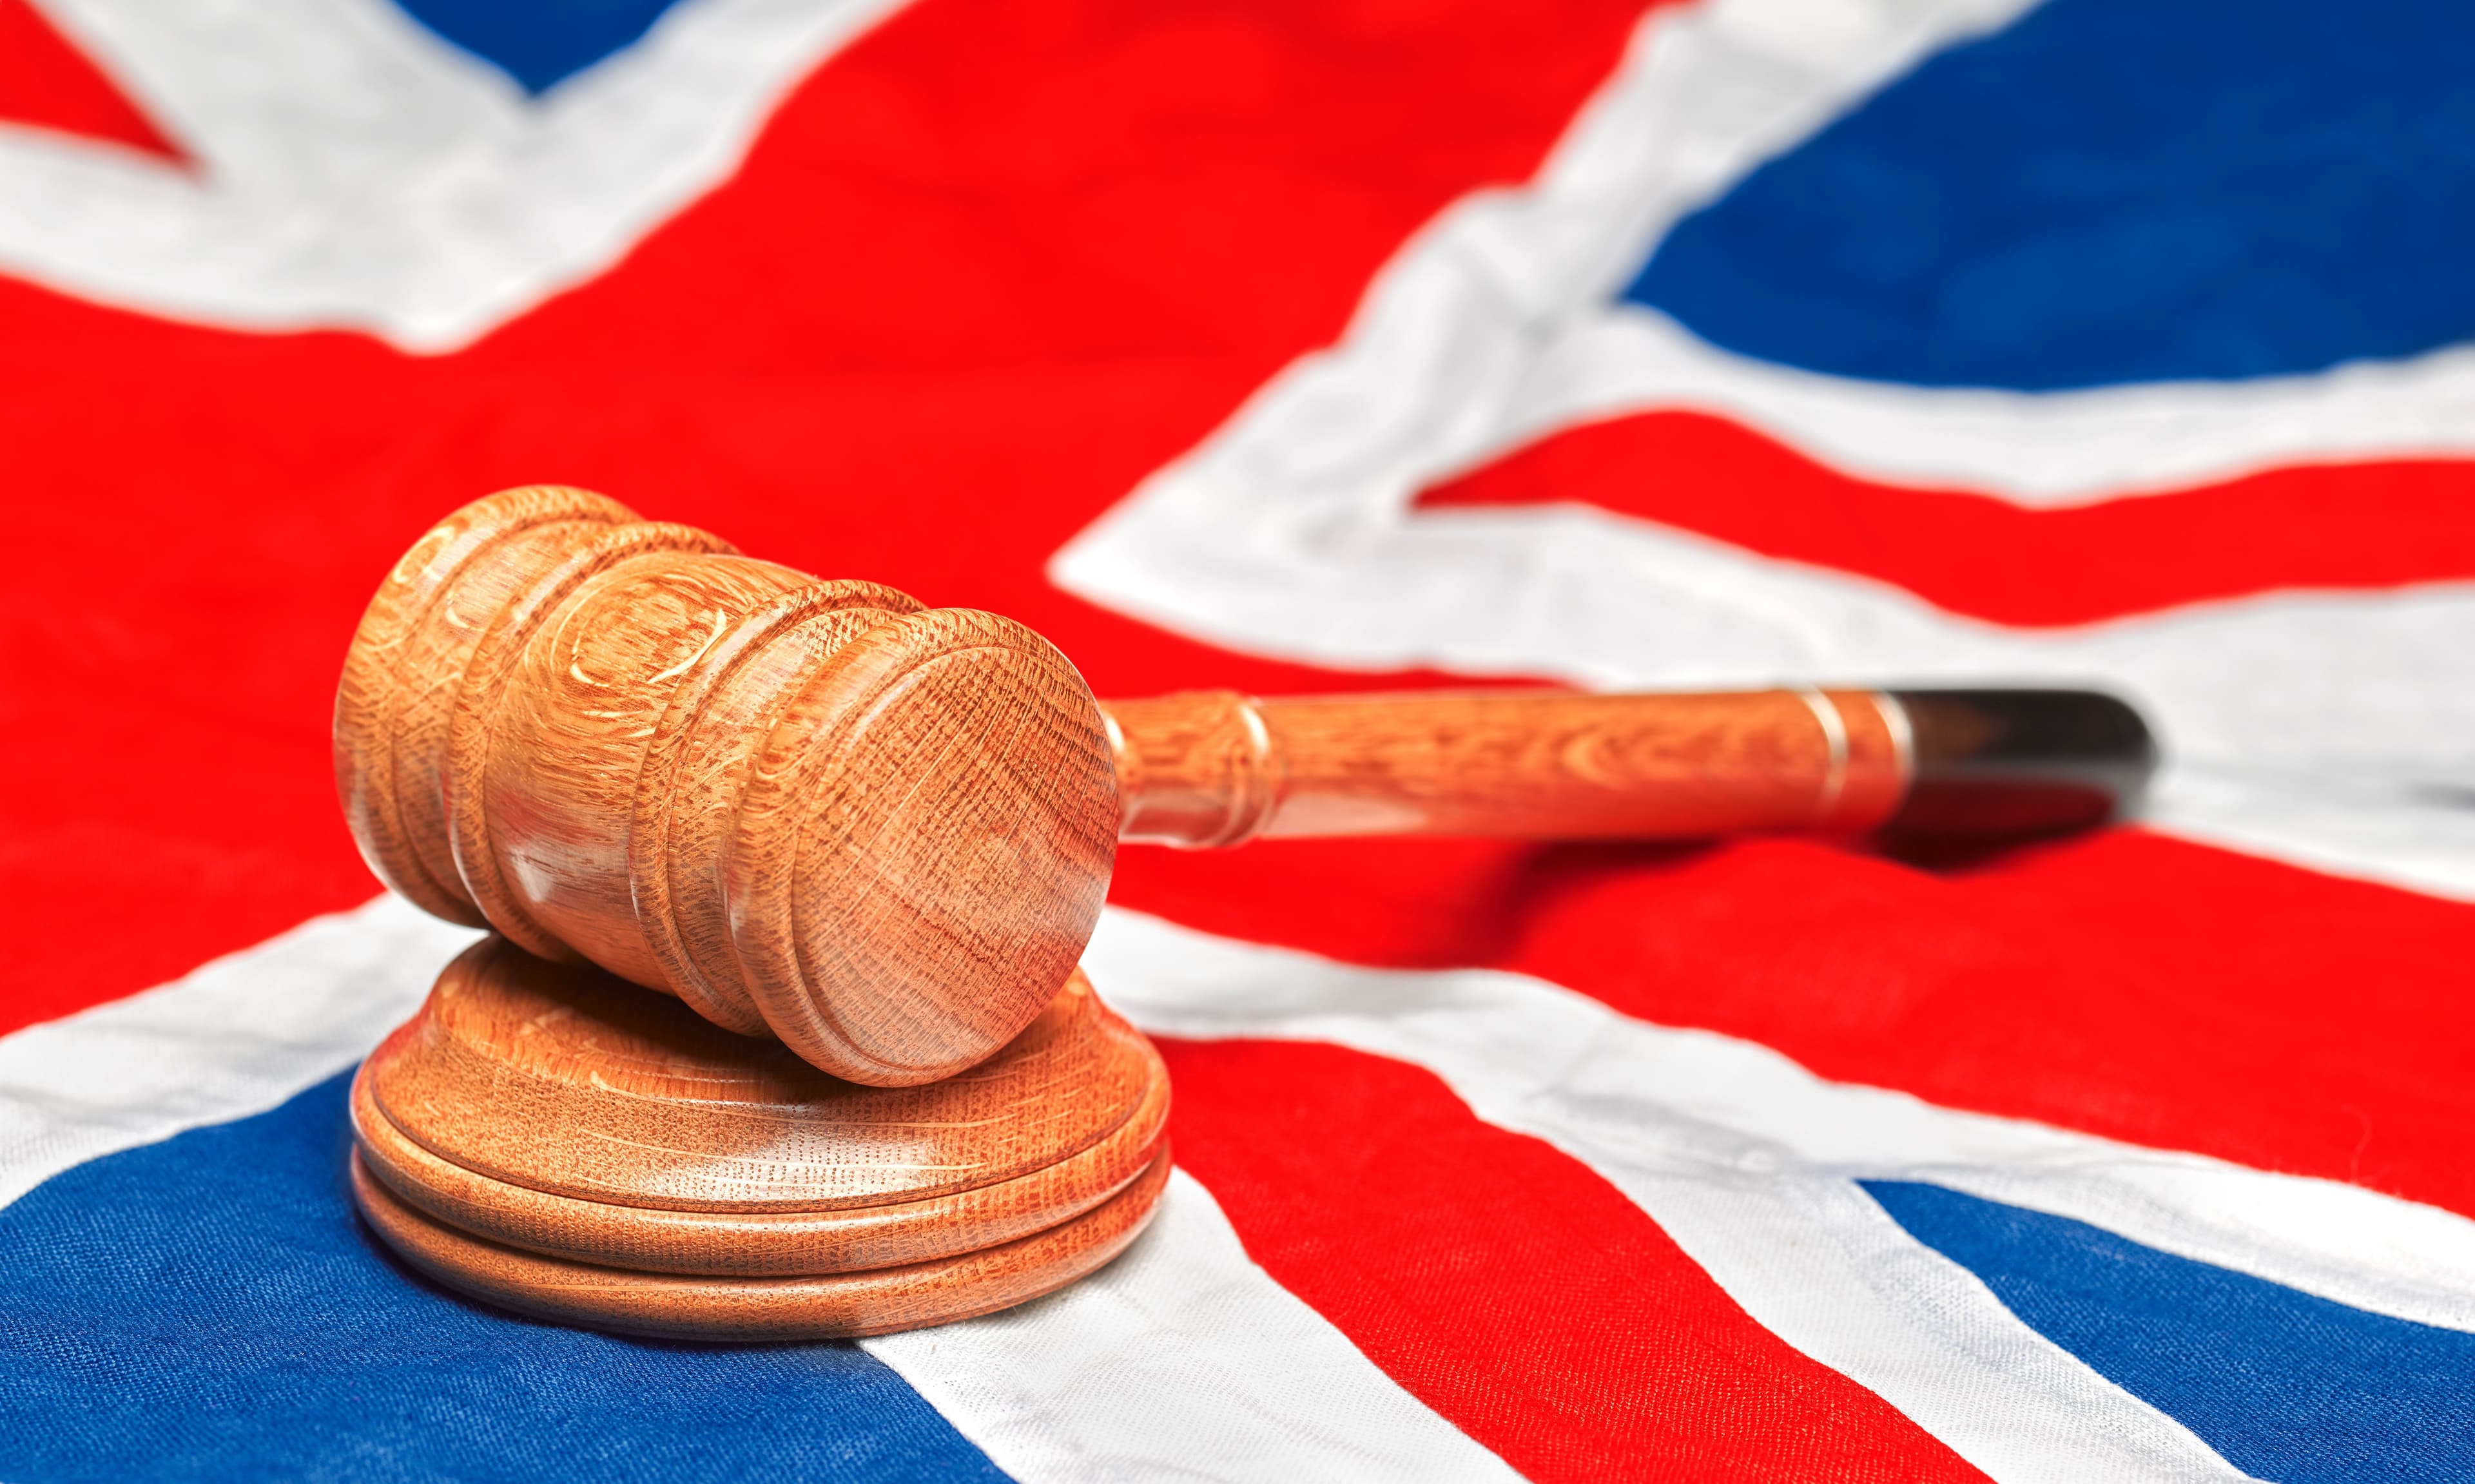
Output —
(1213, 768)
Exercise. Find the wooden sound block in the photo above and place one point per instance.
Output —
(551, 1139)
(836, 1307)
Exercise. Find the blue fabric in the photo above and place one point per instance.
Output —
(2112, 192)
(539, 42)
(211, 1308)
(2286, 1385)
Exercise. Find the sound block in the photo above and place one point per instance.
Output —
(555, 1140)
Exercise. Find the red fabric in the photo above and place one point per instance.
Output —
(2124, 984)
(982, 273)
(2346, 525)
(48, 83)
(975, 281)
(1508, 1286)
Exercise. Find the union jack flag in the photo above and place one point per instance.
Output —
(1298, 345)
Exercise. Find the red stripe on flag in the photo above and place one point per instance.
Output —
(983, 273)
(2127, 984)
(2339, 525)
(1507, 1285)
(46, 82)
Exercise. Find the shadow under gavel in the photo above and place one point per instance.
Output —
(882, 833)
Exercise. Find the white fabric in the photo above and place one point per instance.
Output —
(2326, 730)
(1504, 1039)
(235, 1037)
(1748, 1161)
(2040, 448)
(1181, 1359)
(1187, 1349)
(353, 171)
(1496, 324)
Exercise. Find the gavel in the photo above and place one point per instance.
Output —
(882, 833)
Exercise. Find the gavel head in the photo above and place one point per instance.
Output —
(810, 809)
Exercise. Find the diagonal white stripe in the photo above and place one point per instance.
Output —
(2323, 729)
(2327, 731)
(234, 1039)
(1510, 1037)
(1181, 1359)
(1748, 1162)
(1187, 1355)
(1496, 324)
(355, 172)
(2040, 448)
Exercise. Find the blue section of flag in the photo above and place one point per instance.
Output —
(2114, 191)
(2286, 1385)
(211, 1308)
(540, 43)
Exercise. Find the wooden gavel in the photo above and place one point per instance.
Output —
(883, 832)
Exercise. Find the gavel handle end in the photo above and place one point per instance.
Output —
(2016, 762)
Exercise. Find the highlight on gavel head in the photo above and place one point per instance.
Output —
(814, 809)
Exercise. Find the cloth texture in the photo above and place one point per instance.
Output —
(1315, 346)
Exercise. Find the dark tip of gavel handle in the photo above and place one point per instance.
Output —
(2020, 763)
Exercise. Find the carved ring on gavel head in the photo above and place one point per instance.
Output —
(883, 831)
(815, 809)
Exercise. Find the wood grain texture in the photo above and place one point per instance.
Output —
(1215, 768)
(882, 833)
(406, 669)
(862, 843)
(695, 771)
(763, 1243)
(919, 774)
(551, 1138)
(811, 809)
(507, 894)
(845, 1305)
(556, 1078)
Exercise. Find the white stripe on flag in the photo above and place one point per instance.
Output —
(1748, 1162)
(1180, 1359)
(1497, 322)
(235, 1037)
(359, 173)
(2328, 729)
(2034, 449)
(1183, 1358)
(2324, 730)
(1509, 1037)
